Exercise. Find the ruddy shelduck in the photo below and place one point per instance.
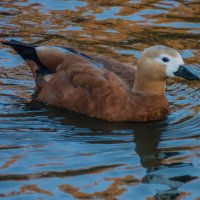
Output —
(102, 87)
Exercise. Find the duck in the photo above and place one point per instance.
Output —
(102, 87)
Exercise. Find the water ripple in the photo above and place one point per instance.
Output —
(52, 153)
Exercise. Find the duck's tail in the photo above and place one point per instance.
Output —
(29, 54)
(26, 51)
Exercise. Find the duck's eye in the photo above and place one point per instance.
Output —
(165, 59)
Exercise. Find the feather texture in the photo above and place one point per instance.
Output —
(93, 85)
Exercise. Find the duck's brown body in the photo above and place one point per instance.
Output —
(80, 86)
(97, 86)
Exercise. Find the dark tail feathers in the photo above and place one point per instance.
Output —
(28, 52)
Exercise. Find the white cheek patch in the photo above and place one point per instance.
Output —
(173, 64)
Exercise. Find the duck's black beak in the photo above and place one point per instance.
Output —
(185, 73)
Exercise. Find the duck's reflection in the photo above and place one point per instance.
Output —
(147, 139)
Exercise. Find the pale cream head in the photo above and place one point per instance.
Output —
(156, 64)
(159, 62)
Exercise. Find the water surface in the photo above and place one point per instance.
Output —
(50, 153)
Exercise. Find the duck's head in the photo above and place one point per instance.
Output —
(161, 62)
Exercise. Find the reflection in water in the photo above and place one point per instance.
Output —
(147, 141)
(51, 153)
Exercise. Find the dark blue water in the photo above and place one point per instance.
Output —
(51, 153)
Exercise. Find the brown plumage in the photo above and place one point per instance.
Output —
(99, 86)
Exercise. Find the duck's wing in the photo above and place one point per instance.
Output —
(126, 72)
(44, 60)
(86, 89)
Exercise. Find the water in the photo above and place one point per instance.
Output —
(50, 153)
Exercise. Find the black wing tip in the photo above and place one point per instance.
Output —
(28, 52)
(10, 42)
(17, 43)
(6, 42)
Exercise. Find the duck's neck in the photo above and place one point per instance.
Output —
(146, 86)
